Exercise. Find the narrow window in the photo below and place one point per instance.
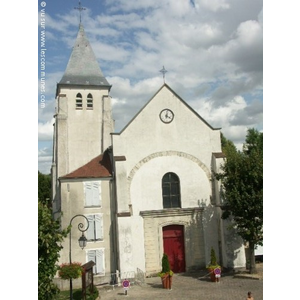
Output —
(89, 103)
(78, 101)
(95, 230)
(171, 191)
(92, 192)
(97, 256)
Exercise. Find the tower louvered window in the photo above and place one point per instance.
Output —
(78, 101)
(89, 101)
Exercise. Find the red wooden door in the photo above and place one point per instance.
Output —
(173, 237)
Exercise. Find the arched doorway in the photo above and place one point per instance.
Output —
(173, 238)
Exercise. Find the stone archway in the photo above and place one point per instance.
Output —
(161, 154)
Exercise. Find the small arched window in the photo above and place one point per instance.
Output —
(171, 191)
(78, 101)
(89, 101)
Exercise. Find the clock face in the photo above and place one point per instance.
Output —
(166, 115)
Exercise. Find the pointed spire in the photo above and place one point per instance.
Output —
(83, 67)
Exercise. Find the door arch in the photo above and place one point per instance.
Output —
(173, 241)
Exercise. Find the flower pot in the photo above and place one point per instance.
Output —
(212, 275)
(170, 280)
(166, 281)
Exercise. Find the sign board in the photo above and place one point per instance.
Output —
(126, 284)
(87, 278)
(217, 271)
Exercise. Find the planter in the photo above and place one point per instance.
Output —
(213, 266)
(166, 273)
(170, 279)
(213, 277)
(166, 281)
(70, 271)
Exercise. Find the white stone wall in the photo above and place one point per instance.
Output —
(131, 241)
(80, 131)
(72, 191)
(194, 183)
(234, 255)
(152, 149)
(146, 134)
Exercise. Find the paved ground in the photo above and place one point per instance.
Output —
(191, 286)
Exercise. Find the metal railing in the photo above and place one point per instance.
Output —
(115, 279)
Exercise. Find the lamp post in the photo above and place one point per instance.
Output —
(82, 243)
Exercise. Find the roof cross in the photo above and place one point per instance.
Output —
(163, 71)
(80, 8)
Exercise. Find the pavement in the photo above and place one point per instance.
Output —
(196, 285)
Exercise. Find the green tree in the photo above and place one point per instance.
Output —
(44, 187)
(227, 145)
(242, 181)
(50, 237)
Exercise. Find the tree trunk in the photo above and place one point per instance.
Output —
(252, 269)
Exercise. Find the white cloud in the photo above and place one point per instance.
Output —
(249, 33)
(213, 5)
(45, 159)
(45, 131)
(248, 116)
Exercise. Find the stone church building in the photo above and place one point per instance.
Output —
(146, 190)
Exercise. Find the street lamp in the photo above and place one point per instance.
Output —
(82, 243)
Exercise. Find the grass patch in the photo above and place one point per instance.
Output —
(65, 295)
(90, 295)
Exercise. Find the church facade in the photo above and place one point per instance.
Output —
(146, 190)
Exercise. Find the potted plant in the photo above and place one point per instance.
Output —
(68, 271)
(166, 273)
(213, 265)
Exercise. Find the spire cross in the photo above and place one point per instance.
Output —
(163, 71)
(80, 8)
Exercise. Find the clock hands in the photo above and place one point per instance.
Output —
(166, 115)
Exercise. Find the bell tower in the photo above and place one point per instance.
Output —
(83, 116)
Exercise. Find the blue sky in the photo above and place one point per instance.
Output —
(212, 50)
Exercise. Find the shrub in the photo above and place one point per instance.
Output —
(165, 266)
(213, 260)
(90, 295)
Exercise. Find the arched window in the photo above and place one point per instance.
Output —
(89, 103)
(78, 101)
(171, 191)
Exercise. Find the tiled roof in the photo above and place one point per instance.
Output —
(98, 167)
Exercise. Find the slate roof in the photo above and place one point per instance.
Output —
(98, 167)
(83, 67)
